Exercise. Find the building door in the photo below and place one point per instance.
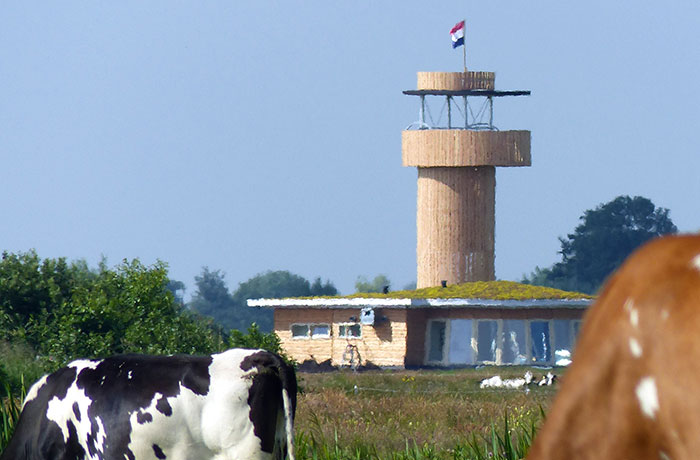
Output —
(437, 330)
(460, 351)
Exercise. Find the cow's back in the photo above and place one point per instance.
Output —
(143, 407)
(630, 390)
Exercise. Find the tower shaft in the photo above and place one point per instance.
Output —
(455, 224)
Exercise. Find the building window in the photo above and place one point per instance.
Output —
(320, 331)
(460, 342)
(541, 351)
(351, 330)
(300, 331)
(487, 341)
(514, 342)
(314, 331)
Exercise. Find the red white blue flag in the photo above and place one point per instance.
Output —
(457, 33)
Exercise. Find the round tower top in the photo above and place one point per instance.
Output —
(456, 81)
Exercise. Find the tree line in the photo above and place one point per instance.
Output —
(230, 310)
(55, 310)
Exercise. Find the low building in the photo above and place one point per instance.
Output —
(484, 322)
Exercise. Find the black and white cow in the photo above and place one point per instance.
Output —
(238, 404)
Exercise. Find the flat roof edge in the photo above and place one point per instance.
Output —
(406, 303)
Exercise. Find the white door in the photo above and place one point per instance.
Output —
(461, 342)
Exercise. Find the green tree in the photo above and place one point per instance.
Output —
(319, 288)
(29, 287)
(127, 309)
(61, 311)
(212, 297)
(600, 243)
(177, 288)
(231, 311)
(376, 285)
(255, 338)
(32, 291)
(270, 284)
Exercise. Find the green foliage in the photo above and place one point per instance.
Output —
(376, 285)
(497, 290)
(20, 363)
(10, 408)
(255, 338)
(31, 290)
(606, 236)
(177, 289)
(62, 311)
(273, 284)
(231, 311)
(511, 443)
(212, 297)
(508, 443)
(319, 288)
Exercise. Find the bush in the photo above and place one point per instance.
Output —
(255, 338)
(20, 365)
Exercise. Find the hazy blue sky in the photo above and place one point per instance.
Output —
(247, 136)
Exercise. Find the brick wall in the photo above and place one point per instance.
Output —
(397, 341)
(383, 344)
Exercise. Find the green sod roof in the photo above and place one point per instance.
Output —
(495, 290)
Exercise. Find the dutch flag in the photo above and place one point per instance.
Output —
(457, 33)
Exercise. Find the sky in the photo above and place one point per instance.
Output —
(266, 135)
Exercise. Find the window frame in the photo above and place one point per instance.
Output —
(300, 337)
(309, 331)
(347, 327)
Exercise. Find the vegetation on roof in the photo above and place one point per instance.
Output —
(495, 290)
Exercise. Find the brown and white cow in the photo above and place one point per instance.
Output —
(238, 404)
(631, 392)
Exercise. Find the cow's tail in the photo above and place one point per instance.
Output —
(289, 403)
(288, 422)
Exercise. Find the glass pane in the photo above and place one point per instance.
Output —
(355, 330)
(514, 345)
(437, 341)
(541, 346)
(461, 342)
(487, 332)
(320, 330)
(300, 330)
(563, 342)
(350, 330)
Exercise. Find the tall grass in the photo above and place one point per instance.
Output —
(506, 443)
(416, 415)
(10, 408)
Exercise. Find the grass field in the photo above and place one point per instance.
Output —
(416, 414)
(402, 415)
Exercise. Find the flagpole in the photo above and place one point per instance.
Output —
(464, 46)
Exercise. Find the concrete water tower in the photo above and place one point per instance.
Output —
(457, 174)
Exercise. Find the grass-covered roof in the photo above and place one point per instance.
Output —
(495, 290)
